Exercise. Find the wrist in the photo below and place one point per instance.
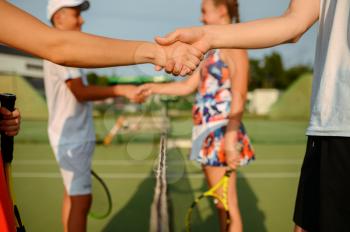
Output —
(233, 125)
(146, 52)
(210, 38)
(155, 88)
(119, 90)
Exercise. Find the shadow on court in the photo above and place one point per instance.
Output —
(182, 190)
(134, 216)
(253, 217)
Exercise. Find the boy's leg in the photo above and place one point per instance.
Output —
(79, 209)
(65, 210)
(75, 166)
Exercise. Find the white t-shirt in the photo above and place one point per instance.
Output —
(330, 102)
(70, 121)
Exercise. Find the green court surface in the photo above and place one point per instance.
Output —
(266, 188)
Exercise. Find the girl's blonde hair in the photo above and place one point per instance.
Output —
(232, 8)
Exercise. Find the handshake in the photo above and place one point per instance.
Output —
(137, 94)
(180, 52)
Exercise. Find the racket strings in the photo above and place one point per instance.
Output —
(219, 195)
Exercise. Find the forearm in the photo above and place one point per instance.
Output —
(299, 17)
(173, 88)
(95, 93)
(85, 50)
(236, 112)
(232, 128)
(258, 34)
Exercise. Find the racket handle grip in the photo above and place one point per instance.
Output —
(7, 101)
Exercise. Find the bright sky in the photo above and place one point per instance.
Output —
(144, 19)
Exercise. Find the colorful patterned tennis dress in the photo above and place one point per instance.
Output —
(210, 115)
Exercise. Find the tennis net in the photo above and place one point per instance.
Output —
(159, 209)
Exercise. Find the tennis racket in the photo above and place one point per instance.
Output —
(101, 198)
(7, 101)
(212, 193)
(116, 127)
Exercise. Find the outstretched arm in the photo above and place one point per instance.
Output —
(289, 27)
(72, 48)
(93, 93)
(181, 88)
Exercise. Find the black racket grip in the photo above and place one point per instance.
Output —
(7, 101)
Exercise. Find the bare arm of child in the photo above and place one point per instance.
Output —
(238, 64)
(262, 33)
(180, 88)
(72, 48)
(93, 93)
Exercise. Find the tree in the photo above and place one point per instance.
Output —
(270, 72)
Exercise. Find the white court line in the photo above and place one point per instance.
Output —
(251, 175)
(151, 162)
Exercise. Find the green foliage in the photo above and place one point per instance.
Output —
(94, 79)
(270, 72)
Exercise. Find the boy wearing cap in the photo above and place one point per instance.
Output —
(71, 130)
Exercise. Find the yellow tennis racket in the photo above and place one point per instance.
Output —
(212, 193)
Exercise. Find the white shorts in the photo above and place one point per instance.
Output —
(74, 161)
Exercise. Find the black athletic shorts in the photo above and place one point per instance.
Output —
(323, 198)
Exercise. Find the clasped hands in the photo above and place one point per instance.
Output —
(178, 53)
(181, 51)
(138, 94)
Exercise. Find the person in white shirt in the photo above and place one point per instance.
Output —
(323, 201)
(70, 127)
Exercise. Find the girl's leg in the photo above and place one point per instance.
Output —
(235, 215)
(213, 175)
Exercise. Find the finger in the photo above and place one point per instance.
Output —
(147, 93)
(5, 112)
(15, 113)
(9, 128)
(141, 89)
(177, 69)
(192, 62)
(190, 73)
(158, 68)
(9, 122)
(11, 133)
(196, 52)
(184, 71)
(169, 67)
(168, 39)
(233, 166)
